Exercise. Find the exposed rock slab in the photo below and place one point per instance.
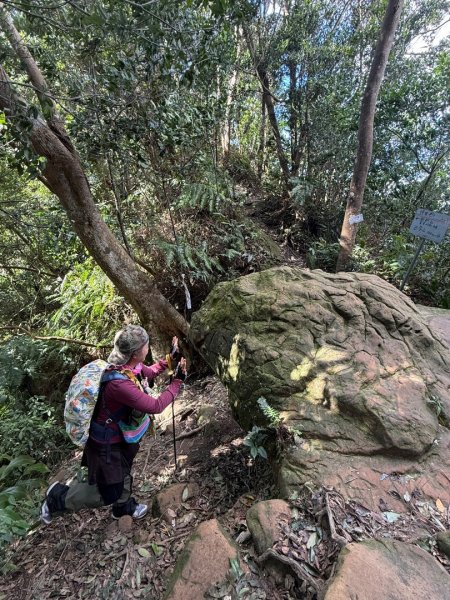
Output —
(204, 562)
(438, 319)
(264, 520)
(387, 570)
(170, 499)
(348, 360)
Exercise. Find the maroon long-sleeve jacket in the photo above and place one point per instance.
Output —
(120, 393)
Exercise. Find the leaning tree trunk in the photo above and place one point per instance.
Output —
(64, 176)
(365, 131)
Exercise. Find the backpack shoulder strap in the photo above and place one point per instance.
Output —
(110, 375)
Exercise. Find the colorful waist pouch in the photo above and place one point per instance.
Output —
(132, 432)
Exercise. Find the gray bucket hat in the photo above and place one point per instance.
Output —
(126, 342)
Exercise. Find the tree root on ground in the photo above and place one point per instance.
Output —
(297, 569)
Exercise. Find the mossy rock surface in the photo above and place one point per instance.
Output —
(205, 413)
(443, 542)
(349, 361)
(265, 521)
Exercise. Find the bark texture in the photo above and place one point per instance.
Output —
(365, 131)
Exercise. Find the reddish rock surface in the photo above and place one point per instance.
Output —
(171, 498)
(438, 319)
(371, 479)
(125, 524)
(264, 520)
(204, 562)
(387, 570)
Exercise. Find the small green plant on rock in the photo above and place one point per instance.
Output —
(255, 441)
(285, 435)
(435, 403)
(270, 413)
(259, 437)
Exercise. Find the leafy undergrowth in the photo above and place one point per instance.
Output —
(85, 555)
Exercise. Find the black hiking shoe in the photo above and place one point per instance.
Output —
(54, 501)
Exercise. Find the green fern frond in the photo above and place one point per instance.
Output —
(270, 413)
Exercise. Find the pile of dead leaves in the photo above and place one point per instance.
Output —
(324, 522)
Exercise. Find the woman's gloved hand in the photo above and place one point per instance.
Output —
(181, 370)
(174, 356)
(175, 353)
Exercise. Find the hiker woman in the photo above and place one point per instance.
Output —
(107, 455)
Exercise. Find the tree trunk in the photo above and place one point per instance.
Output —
(365, 131)
(270, 105)
(232, 86)
(293, 121)
(262, 142)
(64, 176)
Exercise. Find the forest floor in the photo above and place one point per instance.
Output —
(86, 555)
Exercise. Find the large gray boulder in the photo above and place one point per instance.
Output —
(348, 360)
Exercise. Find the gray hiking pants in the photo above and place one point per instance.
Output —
(81, 494)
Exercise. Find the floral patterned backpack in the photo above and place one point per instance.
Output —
(81, 398)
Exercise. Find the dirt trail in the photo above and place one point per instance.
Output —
(85, 555)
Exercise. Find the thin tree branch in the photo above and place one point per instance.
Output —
(190, 433)
(117, 200)
(55, 99)
(39, 6)
(51, 22)
(342, 541)
(22, 330)
(34, 75)
(14, 268)
(152, 14)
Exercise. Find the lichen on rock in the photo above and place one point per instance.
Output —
(349, 361)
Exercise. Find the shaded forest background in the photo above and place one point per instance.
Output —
(168, 105)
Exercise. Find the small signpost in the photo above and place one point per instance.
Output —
(428, 225)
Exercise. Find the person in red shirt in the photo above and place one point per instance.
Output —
(123, 396)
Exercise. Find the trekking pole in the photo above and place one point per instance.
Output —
(174, 440)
